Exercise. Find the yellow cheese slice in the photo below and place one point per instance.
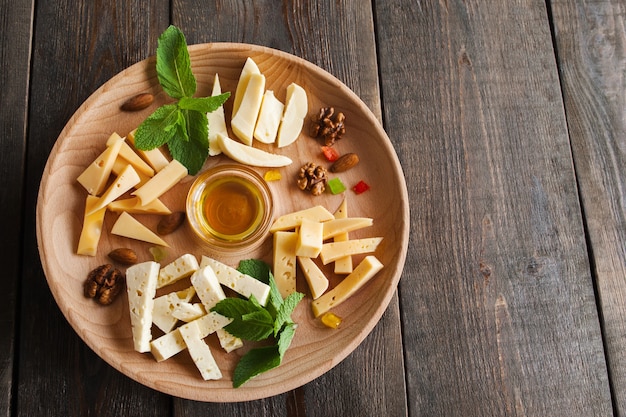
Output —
(336, 226)
(135, 160)
(95, 176)
(248, 155)
(335, 250)
(141, 288)
(92, 228)
(284, 262)
(292, 220)
(154, 157)
(133, 206)
(217, 121)
(268, 121)
(164, 180)
(343, 265)
(244, 121)
(128, 226)
(200, 351)
(315, 278)
(127, 179)
(296, 108)
(310, 240)
(120, 164)
(368, 267)
(249, 68)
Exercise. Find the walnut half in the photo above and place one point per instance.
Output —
(312, 178)
(103, 284)
(328, 125)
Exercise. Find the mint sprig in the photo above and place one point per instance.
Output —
(183, 125)
(252, 321)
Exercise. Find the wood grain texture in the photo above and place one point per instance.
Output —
(78, 46)
(590, 39)
(497, 301)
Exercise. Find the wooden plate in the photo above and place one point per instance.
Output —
(315, 348)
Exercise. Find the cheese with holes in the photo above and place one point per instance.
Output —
(250, 67)
(217, 121)
(200, 351)
(241, 283)
(182, 267)
(127, 179)
(310, 240)
(365, 271)
(154, 157)
(343, 265)
(127, 153)
(296, 108)
(121, 163)
(284, 262)
(244, 120)
(133, 206)
(269, 118)
(163, 181)
(92, 228)
(335, 250)
(164, 305)
(141, 282)
(188, 311)
(127, 226)
(292, 220)
(315, 278)
(336, 226)
(95, 176)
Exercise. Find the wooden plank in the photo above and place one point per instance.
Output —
(497, 302)
(15, 36)
(339, 38)
(78, 46)
(590, 44)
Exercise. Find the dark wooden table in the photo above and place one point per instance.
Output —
(508, 118)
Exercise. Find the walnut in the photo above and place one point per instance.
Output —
(103, 284)
(312, 178)
(328, 125)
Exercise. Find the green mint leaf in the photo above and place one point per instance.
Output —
(250, 320)
(191, 147)
(275, 298)
(157, 129)
(256, 269)
(173, 64)
(283, 315)
(285, 338)
(255, 362)
(203, 104)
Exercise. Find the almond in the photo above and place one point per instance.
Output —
(123, 256)
(171, 222)
(345, 162)
(138, 102)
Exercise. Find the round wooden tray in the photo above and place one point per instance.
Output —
(315, 348)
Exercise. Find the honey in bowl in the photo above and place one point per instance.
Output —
(229, 208)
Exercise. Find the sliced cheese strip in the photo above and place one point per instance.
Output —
(162, 312)
(244, 121)
(164, 180)
(141, 288)
(268, 121)
(235, 280)
(296, 108)
(135, 160)
(127, 179)
(310, 238)
(92, 228)
(182, 267)
(315, 278)
(285, 262)
(133, 206)
(250, 67)
(292, 220)
(217, 121)
(121, 163)
(95, 176)
(200, 351)
(343, 265)
(368, 267)
(127, 226)
(154, 157)
(336, 226)
(335, 250)
(188, 312)
(250, 156)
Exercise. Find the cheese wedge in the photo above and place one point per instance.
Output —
(296, 108)
(365, 271)
(182, 267)
(285, 262)
(336, 226)
(335, 250)
(238, 282)
(217, 121)
(133, 206)
(315, 278)
(92, 228)
(250, 156)
(162, 311)
(95, 176)
(120, 164)
(128, 226)
(268, 121)
(164, 180)
(141, 288)
(310, 240)
(250, 67)
(127, 179)
(244, 121)
(154, 157)
(292, 220)
(200, 351)
(343, 265)
(127, 153)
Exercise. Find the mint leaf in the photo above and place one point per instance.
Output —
(173, 64)
(285, 338)
(256, 269)
(191, 150)
(255, 362)
(157, 129)
(283, 315)
(250, 320)
(203, 104)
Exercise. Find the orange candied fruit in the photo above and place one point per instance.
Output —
(331, 320)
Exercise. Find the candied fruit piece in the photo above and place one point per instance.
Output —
(331, 320)
(361, 187)
(336, 186)
(272, 175)
(330, 153)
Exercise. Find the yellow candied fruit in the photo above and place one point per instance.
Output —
(272, 175)
(158, 253)
(331, 320)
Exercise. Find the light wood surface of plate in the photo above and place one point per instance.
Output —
(315, 348)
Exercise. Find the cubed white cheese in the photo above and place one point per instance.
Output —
(183, 267)
(141, 282)
(164, 306)
(235, 280)
(200, 351)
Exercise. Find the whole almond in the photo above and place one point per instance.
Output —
(123, 256)
(138, 102)
(171, 222)
(345, 162)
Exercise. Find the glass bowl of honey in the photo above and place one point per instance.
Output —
(230, 209)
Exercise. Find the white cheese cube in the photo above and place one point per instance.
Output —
(167, 345)
(164, 306)
(235, 280)
(200, 351)
(187, 312)
(183, 267)
(141, 282)
(310, 240)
